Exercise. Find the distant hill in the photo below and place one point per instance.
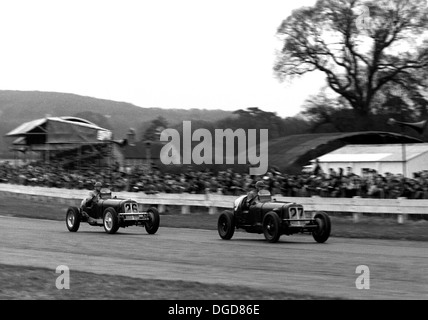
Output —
(17, 107)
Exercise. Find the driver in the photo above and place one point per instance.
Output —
(93, 196)
(253, 195)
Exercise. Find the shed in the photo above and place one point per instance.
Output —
(384, 158)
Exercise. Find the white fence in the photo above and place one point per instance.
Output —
(401, 207)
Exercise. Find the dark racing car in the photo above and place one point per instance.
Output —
(113, 213)
(273, 219)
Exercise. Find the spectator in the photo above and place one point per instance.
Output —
(370, 184)
(332, 174)
(317, 168)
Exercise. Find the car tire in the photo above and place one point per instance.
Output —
(110, 221)
(272, 227)
(324, 227)
(72, 219)
(153, 225)
(226, 225)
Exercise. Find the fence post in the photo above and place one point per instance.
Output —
(401, 218)
(212, 210)
(356, 216)
(185, 209)
(209, 203)
(161, 208)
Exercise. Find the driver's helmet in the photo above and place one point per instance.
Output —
(98, 184)
(260, 184)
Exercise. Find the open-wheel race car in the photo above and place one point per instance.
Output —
(113, 213)
(273, 218)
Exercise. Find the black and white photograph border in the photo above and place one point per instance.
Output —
(216, 157)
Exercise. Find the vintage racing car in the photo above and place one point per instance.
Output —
(113, 213)
(273, 218)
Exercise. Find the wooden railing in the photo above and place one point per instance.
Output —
(356, 206)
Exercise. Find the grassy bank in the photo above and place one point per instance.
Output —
(40, 283)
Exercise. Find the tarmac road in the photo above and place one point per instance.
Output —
(398, 269)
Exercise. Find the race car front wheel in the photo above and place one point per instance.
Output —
(226, 225)
(271, 227)
(72, 219)
(110, 221)
(152, 225)
(322, 233)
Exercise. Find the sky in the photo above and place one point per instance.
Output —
(182, 54)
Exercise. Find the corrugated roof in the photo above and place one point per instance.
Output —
(77, 121)
(31, 125)
(375, 153)
(26, 127)
(292, 152)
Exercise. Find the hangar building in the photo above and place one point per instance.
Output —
(290, 154)
(384, 158)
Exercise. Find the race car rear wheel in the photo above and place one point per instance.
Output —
(322, 233)
(226, 225)
(72, 219)
(110, 221)
(271, 227)
(153, 224)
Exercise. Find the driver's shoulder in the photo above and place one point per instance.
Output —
(252, 193)
(94, 193)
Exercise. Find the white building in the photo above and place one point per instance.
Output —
(381, 157)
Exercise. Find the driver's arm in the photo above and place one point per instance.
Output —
(90, 198)
(251, 197)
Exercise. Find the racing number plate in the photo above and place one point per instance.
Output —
(297, 213)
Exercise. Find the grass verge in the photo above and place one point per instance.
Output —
(40, 284)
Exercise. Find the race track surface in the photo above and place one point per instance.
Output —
(398, 269)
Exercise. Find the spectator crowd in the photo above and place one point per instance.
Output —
(344, 183)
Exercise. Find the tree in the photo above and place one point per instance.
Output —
(360, 46)
(152, 133)
(320, 108)
(330, 114)
(294, 125)
(255, 118)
